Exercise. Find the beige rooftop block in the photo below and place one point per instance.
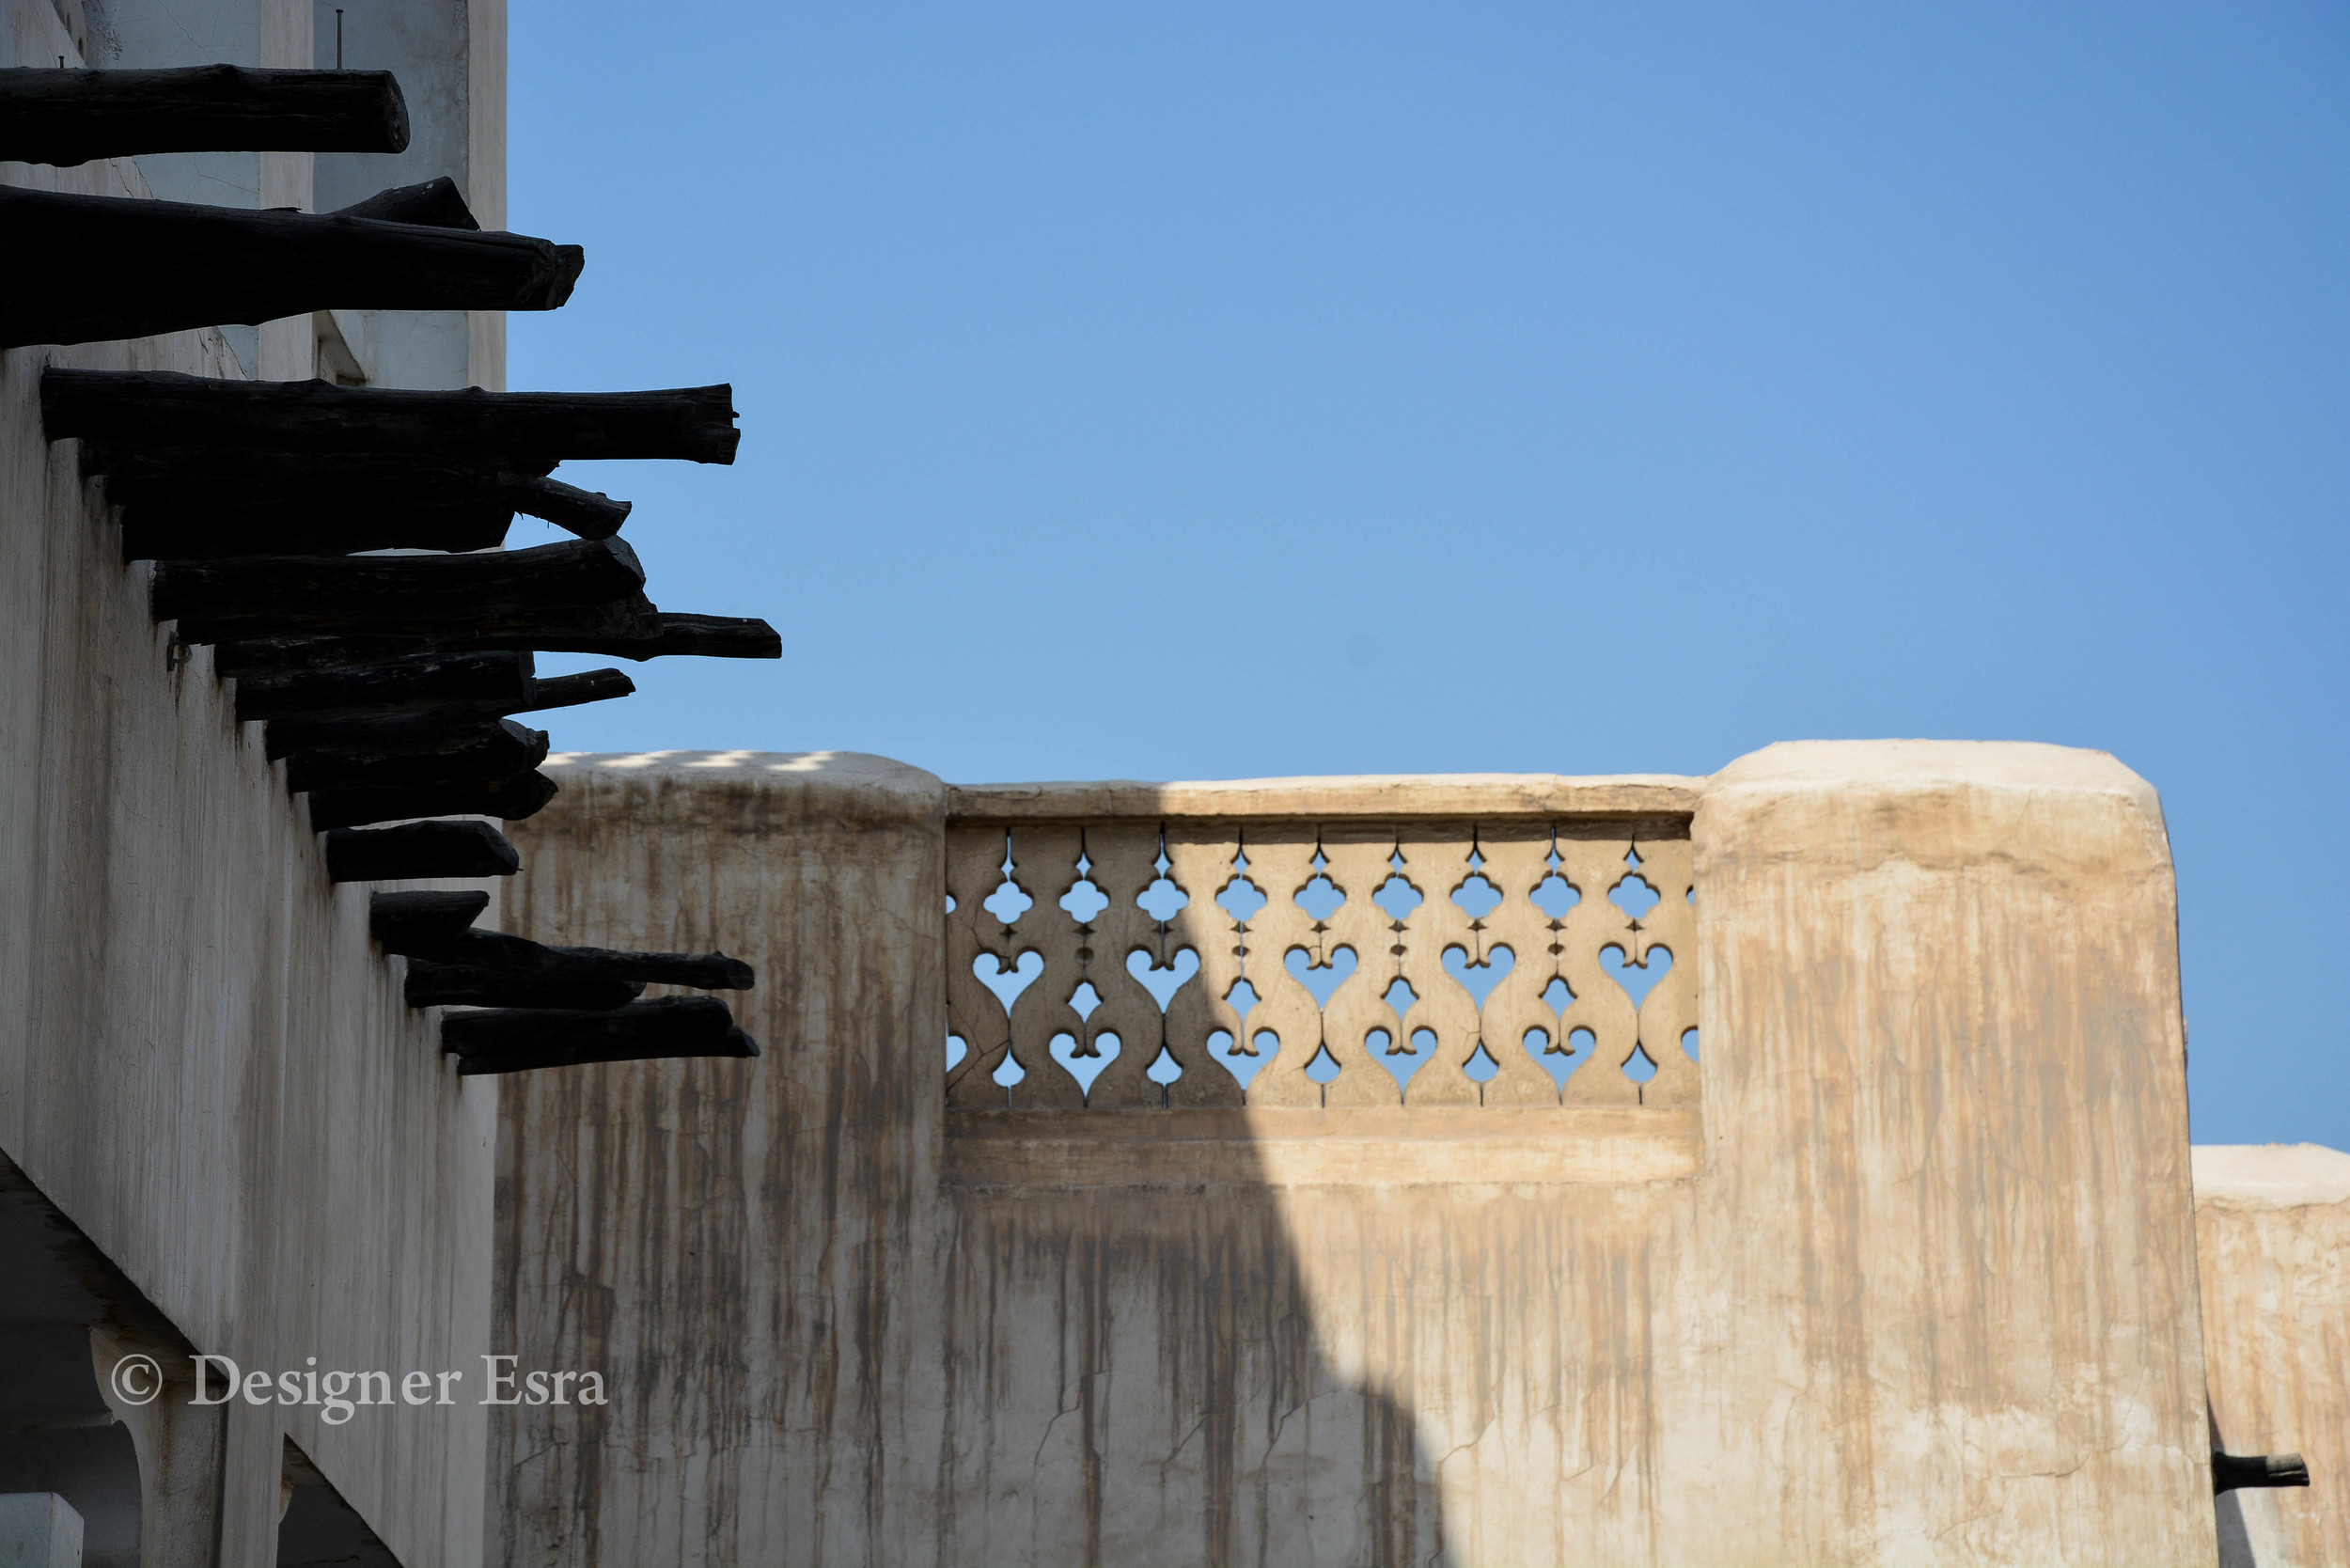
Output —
(2272, 1225)
(1949, 1304)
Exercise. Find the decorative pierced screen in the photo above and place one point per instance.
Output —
(1117, 962)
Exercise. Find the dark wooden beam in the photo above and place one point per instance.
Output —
(507, 954)
(494, 682)
(559, 1052)
(217, 510)
(589, 513)
(2232, 1472)
(398, 918)
(273, 595)
(414, 850)
(628, 621)
(701, 971)
(70, 117)
(508, 799)
(520, 1039)
(78, 269)
(497, 682)
(138, 470)
(573, 691)
(707, 636)
(164, 532)
(437, 203)
(404, 750)
(591, 631)
(430, 984)
(693, 422)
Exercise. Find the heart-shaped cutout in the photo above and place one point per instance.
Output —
(1085, 1061)
(1242, 1064)
(1162, 982)
(1400, 1059)
(1009, 980)
(1478, 979)
(1558, 1061)
(1637, 979)
(1319, 979)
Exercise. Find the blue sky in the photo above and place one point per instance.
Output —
(1211, 391)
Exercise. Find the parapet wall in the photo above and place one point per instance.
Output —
(1899, 1268)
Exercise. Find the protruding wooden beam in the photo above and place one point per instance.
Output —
(80, 269)
(573, 691)
(398, 920)
(701, 971)
(707, 636)
(414, 850)
(497, 682)
(275, 595)
(69, 117)
(404, 750)
(182, 475)
(437, 203)
(589, 513)
(2232, 1472)
(164, 532)
(431, 984)
(506, 954)
(631, 619)
(492, 683)
(203, 515)
(509, 799)
(591, 631)
(559, 1052)
(696, 423)
(520, 1039)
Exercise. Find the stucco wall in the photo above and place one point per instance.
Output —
(746, 1249)
(203, 1059)
(2272, 1225)
(1916, 1283)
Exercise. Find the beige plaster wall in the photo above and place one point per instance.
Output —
(1914, 1284)
(744, 1247)
(1947, 1236)
(203, 1059)
(2272, 1226)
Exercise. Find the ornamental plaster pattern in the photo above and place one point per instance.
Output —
(1353, 962)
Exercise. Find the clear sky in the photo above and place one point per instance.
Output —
(1194, 391)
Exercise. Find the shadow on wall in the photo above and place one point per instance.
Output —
(766, 1258)
(1135, 1373)
(1135, 1376)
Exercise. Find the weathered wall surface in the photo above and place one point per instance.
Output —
(1947, 1287)
(2272, 1226)
(1913, 1283)
(203, 1059)
(744, 1247)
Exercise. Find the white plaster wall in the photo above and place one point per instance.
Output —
(430, 46)
(203, 1058)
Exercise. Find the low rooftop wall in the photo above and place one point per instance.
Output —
(1896, 1267)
